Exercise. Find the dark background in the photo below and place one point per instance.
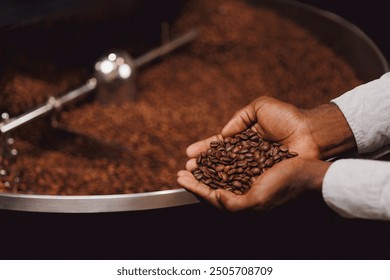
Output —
(303, 229)
(372, 17)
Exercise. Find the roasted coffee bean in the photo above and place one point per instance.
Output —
(242, 136)
(214, 144)
(292, 154)
(237, 184)
(220, 167)
(283, 148)
(232, 171)
(256, 171)
(198, 176)
(277, 158)
(241, 157)
(249, 159)
(244, 181)
(257, 155)
(243, 151)
(254, 144)
(246, 145)
(274, 151)
(269, 162)
(196, 171)
(207, 181)
(232, 155)
(212, 171)
(226, 160)
(203, 168)
(265, 146)
(224, 177)
(242, 163)
(229, 147)
(221, 184)
(263, 158)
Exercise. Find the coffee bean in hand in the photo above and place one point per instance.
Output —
(235, 162)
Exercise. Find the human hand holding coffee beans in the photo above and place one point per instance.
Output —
(287, 131)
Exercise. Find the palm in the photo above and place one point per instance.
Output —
(286, 124)
(271, 189)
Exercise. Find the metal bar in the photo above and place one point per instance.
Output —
(165, 49)
(49, 106)
(56, 103)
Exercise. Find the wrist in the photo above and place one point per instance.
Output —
(330, 130)
(314, 173)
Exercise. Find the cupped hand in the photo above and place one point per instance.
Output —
(314, 134)
(279, 184)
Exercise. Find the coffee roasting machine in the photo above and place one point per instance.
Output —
(342, 36)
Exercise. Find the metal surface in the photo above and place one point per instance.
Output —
(96, 203)
(345, 38)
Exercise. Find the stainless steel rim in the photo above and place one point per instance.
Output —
(96, 203)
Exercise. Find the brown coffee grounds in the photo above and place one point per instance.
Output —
(242, 52)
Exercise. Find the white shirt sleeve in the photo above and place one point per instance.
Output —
(358, 188)
(367, 110)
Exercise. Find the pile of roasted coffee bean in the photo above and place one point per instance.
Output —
(235, 162)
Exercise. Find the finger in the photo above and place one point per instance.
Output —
(195, 149)
(241, 120)
(183, 173)
(233, 202)
(187, 181)
(191, 164)
(220, 198)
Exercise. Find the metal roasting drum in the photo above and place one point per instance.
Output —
(342, 36)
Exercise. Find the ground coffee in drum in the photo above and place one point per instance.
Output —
(242, 52)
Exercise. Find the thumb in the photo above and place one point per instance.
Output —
(241, 120)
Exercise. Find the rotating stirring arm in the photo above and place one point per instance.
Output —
(103, 76)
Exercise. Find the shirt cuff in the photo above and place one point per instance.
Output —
(366, 109)
(358, 188)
